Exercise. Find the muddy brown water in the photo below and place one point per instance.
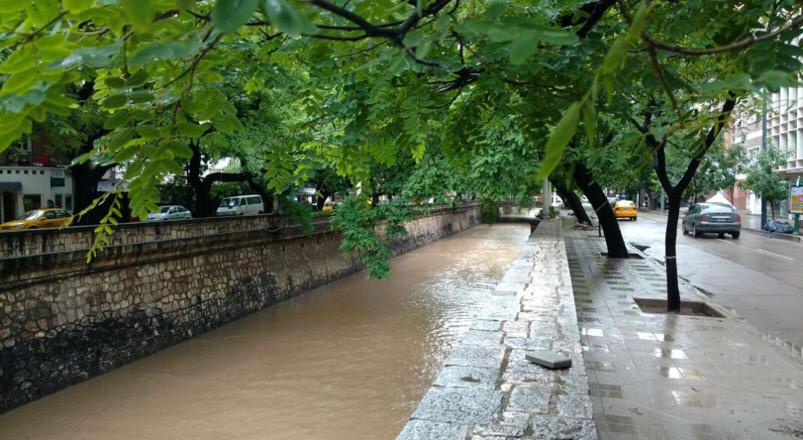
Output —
(349, 360)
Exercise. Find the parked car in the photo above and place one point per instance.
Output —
(625, 209)
(716, 218)
(170, 212)
(329, 206)
(39, 218)
(241, 205)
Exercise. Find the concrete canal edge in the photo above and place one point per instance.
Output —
(63, 321)
(487, 389)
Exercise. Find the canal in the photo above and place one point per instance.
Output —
(349, 360)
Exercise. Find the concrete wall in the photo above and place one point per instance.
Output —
(63, 321)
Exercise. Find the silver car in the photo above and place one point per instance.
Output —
(170, 212)
(715, 218)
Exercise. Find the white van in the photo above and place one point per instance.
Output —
(241, 205)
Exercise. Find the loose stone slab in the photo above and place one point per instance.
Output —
(549, 359)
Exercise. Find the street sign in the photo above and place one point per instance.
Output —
(796, 200)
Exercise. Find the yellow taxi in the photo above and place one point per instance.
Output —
(329, 206)
(625, 209)
(39, 218)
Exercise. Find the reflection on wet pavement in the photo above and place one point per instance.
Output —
(656, 376)
(350, 360)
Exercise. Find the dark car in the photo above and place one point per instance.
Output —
(714, 218)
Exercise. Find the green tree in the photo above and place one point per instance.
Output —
(763, 178)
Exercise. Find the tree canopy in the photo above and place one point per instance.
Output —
(479, 96)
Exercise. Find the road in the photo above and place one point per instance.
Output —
(761, 278)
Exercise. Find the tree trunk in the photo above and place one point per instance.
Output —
(613, 235)
(670, 242)
(574, 203)
(194, 180)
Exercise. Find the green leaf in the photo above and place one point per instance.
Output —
(286, 18)
(558, 140)
(8, 6)
(165, 51)
(95, 57)
(77, 6)
(522, 47)
(229, 15)
(139, 12)
(114, 101)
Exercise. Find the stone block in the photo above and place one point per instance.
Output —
(530, 398)
(426, 430)
(467, 377)
(459, 405)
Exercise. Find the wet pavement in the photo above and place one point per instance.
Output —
(757, 276)
(487, 388)
(350, 360)
(656, 376)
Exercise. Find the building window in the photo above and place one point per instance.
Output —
(58, 201)
(31, 201)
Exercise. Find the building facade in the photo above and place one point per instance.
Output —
(30, 179)
(783, 129)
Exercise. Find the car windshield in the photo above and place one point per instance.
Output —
(31, 215)
(716, 207)
(228, 203)
(164, 209)
(625, 203)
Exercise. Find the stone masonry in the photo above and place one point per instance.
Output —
(63, 321)
(487, 389)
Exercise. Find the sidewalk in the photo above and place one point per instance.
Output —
(487, 390)
(656, 376)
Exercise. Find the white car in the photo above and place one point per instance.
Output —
(170, 212)
(241, 205)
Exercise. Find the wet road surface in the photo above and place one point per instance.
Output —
(347, 361)
(758, 276)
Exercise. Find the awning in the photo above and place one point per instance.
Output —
(10, 186)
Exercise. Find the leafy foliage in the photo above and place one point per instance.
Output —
(763, 178)
(368, 230)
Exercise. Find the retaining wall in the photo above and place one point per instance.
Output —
(63, 321)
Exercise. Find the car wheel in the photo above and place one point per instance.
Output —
(634, 218)
(683, 228)
(721, 235)
(697, 233)
(735, 235)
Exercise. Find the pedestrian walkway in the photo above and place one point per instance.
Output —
(656, 376)
(487, 389)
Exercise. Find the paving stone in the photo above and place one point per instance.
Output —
(530, 398)
(486, 325)
(426, 430)
(563, 428)
(513, 424)
(459, 405)
(467, 377)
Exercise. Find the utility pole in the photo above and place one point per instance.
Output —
(763, 147)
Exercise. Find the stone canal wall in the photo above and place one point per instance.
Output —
(63, 321)
(487, 389)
